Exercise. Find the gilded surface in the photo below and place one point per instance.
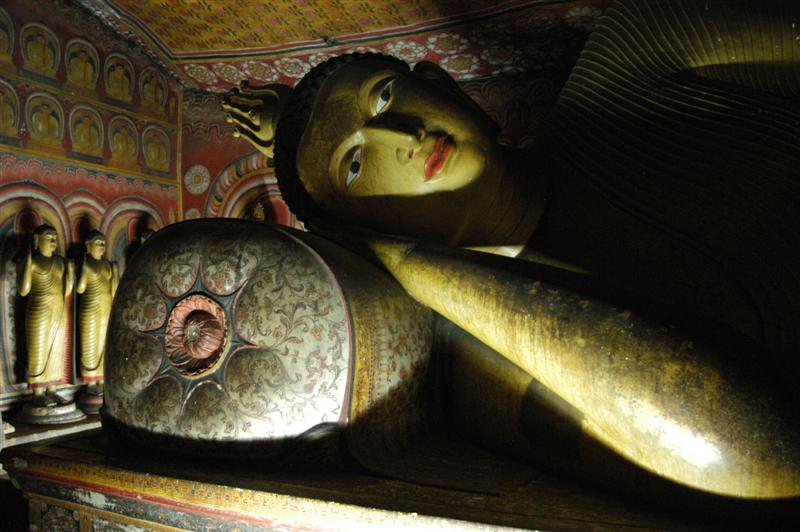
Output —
(670, 405)
(46, 281)
(690, 206)
(96, 284)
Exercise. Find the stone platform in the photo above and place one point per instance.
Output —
(81, 482)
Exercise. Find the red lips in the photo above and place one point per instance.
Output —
(436, 160)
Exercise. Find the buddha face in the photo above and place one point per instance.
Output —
(46, 243)
(96, 248)
(398, 151)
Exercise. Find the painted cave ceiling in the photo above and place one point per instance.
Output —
(214, 44)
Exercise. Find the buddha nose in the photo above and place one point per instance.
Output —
(392, 137)
(404, 143)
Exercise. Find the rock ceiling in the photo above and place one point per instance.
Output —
(214, 44)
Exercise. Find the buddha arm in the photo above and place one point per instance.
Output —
(81, 286)
(114, 278)
(644, 390)
(69, 273)
(26, 277)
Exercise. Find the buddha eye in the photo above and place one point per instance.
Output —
(354, 169)
(384, 97)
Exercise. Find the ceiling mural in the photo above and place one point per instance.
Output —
(214, 44)
(243, 26)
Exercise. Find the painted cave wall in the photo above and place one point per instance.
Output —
(89, 138)
(225, 176)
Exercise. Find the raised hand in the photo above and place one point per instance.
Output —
(255, 112)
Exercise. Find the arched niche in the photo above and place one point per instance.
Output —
(153, 90)
(41, 51)
(119, 77)
(123, 223)
(123, 141)
(45, 118)
(23, 207)
(236, 190)
(156, 148)
(86, 130)
(6, 37)
(82, 63)
(9, 110)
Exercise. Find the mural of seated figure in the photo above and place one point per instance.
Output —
(81, 69)
(8, 113)
(45, 124)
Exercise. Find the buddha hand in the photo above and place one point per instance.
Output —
(255, 112)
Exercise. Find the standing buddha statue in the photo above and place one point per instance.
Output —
(96, 285)
(46, 281)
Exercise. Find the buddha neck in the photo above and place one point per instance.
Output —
(509, 220)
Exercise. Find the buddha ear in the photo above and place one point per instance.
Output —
(436, 74)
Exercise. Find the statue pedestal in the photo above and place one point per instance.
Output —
(88, 483)
(90, 403)
(49, 415)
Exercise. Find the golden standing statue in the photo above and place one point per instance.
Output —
(46, 281)
(97, 284)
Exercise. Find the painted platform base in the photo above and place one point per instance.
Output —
(90, 403)
(86, 482)
(49, 415)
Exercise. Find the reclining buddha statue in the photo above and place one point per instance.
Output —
(663, 191)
